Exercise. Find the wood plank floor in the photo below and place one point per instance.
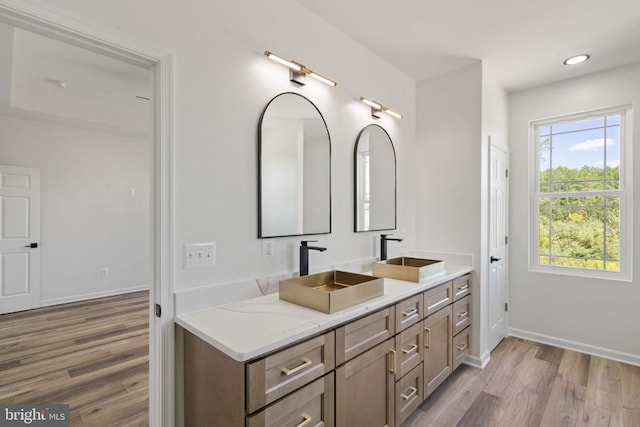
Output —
(92, 355)
(531, 384)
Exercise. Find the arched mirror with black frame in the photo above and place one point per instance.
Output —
(294, 176)
(375, 180)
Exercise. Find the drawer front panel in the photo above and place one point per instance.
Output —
(461, 287)
(409, 312)
(273, 377)
(409, 394)
(357, 337)
(437, 298)
(461, 314)
(310, 406)
(461, 347)
(409, 349)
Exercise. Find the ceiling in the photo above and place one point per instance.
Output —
(523, 42)
(48, 80)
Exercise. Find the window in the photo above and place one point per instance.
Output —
(580, 206)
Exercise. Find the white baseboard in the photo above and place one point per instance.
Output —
(632, 359)
(92, 295)
(478, 362)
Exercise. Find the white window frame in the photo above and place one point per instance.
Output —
(625, 192)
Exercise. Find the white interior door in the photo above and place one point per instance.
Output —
(19, 238)
(498, 223)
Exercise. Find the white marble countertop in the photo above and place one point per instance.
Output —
(250, 328)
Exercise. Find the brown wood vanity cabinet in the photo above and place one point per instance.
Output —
(372, 371)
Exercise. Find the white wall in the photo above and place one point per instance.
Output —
(89, 220)
(223, 81)
(448, 164)
(596, 315)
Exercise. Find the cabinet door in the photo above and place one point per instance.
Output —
(359, 336)
(409, 394)
(274, 376)
(461, 347)
(365, 389)
(437, 349)
(409, 312)
(461, 314)
(437, 298)
(461, 287)
(310, 406)
(409, 349)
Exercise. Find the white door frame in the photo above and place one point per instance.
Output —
(58, 24)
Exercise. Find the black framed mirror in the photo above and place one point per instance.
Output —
(375, 181)
(294, 171)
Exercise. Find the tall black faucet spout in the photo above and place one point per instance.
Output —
(304, 255)
(384, 238)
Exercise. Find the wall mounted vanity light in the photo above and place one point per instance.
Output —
(297, 72)
(377, 109)
(576, 59)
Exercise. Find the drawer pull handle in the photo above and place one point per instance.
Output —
(392, 367)
(411, 394)
(461, 347)
(428, 337)
(413, 347)
(462, 287)
(305, 362)
(307, 420)
(462, 314)
(442, 301)
(410, 312)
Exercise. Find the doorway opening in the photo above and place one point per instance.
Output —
(62, 26)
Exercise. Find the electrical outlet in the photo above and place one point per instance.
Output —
(199, 255)
(268, 247)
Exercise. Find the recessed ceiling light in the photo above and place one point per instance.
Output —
(577, 59)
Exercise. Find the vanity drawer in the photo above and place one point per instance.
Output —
(438, 297)
(461, 314)
(357, 337)
(273, 377)
(409, 394)
(409, 312)
(409, 349)
(461, 287)
(309, 406)
(461, 347)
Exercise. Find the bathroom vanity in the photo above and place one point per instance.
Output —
(266, 362)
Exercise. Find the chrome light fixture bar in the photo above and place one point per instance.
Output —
(297, 72)
(377, 109)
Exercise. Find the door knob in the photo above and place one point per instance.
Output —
(32, 245)
(494, 259)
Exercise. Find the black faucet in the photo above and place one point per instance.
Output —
(383, 245)
(304, 255)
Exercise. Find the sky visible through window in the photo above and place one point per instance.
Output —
(581, 143)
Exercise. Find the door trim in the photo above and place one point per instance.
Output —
(59, 24)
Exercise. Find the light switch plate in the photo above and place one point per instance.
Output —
(199, 255)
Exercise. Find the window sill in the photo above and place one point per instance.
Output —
(579, 272)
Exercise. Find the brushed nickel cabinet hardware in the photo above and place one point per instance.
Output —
(428, 337)
(410, 312)
(305, 363)
(461, 347)
(412, 347)
(392, 368)
(411, 393)
(462, 314)
(307, 420)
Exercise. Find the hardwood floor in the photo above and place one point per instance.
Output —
(530, 384)
(92, 355)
